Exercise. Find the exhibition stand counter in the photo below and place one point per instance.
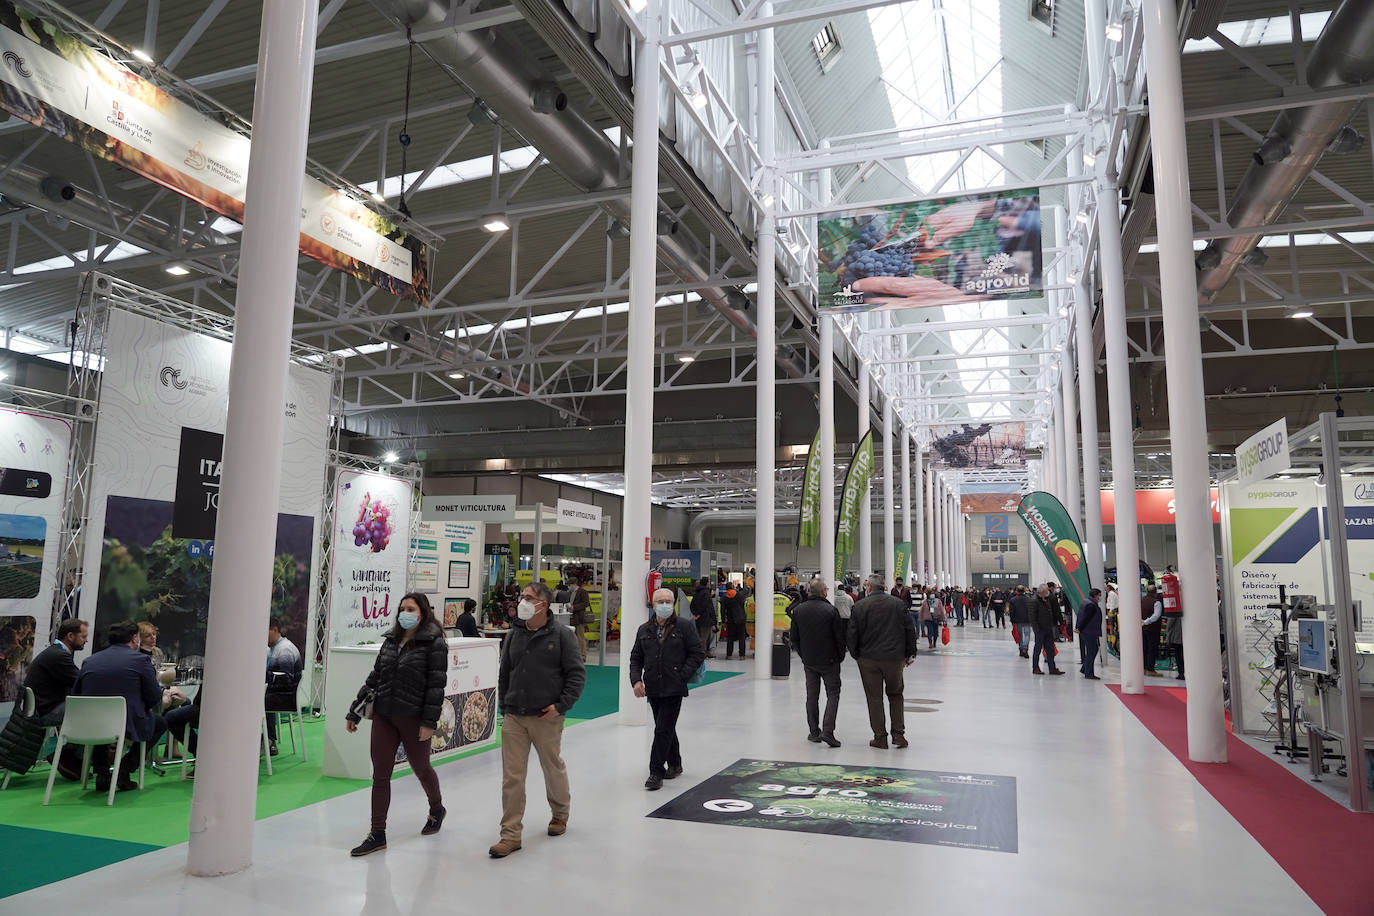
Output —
(467, 719)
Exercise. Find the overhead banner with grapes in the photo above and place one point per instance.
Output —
(930, 253)
(370, 561)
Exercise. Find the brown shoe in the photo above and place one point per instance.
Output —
(879, 742)
(557, 827)
(503, 849)
(899, 741)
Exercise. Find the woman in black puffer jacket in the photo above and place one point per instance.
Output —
(406, 687)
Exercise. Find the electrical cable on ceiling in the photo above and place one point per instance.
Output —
(404, 137)
(1336, 368)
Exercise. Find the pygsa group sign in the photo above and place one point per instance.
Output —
(969, 810)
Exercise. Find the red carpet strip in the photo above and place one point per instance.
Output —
(1322, 845)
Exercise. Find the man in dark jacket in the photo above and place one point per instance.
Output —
(1020, 619)
(1089, 628)
(882, 640)
(703, 609)
(541, 676)
(120, 670)
(1043, 613)
(53, 672)
(736, 615)
(467, 621)
(818, 637)
(666, 654)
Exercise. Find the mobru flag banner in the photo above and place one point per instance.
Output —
(851, 500)
(1051, 528)
(809, 531)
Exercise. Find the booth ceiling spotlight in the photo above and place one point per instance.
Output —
(667, 224)
(495, 223)
(546, 97)
(57, 190)
(480, 114)
(618, 230)
(143, 55)
(176, 270)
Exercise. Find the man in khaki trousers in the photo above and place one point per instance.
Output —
(541, 677)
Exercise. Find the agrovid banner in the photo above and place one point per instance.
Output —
(930, 253)
(370, 562)
(55, 81)
(155, 489)
(983, 445)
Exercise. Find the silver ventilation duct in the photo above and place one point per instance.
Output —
(1343, 55)
(497, 72)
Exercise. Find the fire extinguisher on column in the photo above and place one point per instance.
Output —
(1173, 617)
(654, 583)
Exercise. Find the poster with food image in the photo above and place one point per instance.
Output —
(467, 716)
(930, 253)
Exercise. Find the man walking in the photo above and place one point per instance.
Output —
(1042, 612)
(818, 637)
(665, 656)
(882, 640)
(735, 613)
(1020, 619)
(540, 678)
(1089, 628)
(998, 604)
(703, 608)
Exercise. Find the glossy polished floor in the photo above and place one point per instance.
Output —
(1109, 822)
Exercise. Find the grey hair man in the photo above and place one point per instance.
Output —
(667, 653)
(1042, 612)
(818, 637)
(882, 640)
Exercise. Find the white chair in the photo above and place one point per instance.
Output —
(294, 720)
(92, 721)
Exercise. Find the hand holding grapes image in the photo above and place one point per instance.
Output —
(373, 527)
(909, 293)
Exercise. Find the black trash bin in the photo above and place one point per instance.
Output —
(782, 659)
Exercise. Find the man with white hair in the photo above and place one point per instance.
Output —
(667, 653)
(882, 640)
(818, 637)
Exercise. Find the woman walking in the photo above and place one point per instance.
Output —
(666, 653)
(405, 691)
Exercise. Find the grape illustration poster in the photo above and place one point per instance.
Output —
(370, 561)
(930, 253)
(968, 810)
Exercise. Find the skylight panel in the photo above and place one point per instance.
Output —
(1255, 33)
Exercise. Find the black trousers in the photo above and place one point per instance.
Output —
(665, 751)
(741, 632)
(1044, 642)
(1151, 639)
(999, 617)
(1088, 646)
(830, 675)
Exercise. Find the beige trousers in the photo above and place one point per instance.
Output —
(518, 733)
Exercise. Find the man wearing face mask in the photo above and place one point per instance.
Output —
(541, 677)
(667, 653)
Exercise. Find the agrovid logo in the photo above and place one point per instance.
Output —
(16, 63)
(171, 378)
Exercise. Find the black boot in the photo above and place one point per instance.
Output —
(371, 843)
(434, 821)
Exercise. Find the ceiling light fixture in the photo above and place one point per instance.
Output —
(1082, 217)
(695, 97)
(176, 270)
(143, 55)
(495, 223)
(378, 197)
(390, 458)
(1114, 31)
(686, 358)
(1089, 158)
(1300, 313)
(455, 375)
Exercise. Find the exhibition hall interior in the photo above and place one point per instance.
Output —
(913, 430)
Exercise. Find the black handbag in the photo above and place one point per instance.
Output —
(20, 742)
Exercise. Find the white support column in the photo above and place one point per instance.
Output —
(827, 447)
(932, 548)
(889, 509)
(918, 551)
(1072, 456)
(766, 361)
(1092, 466)
(639, 369)
(224, 800)
(1058, 474)
(538, 563)
(904, 443)
(942, 537)
(865, 560)
(1187, 410)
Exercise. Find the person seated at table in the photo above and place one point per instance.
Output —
(284, 670)
(121, 670)
(147, 643)
(467, 621)
(53, 671)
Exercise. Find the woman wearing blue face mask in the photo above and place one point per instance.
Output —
(666, 653)
(407, 690)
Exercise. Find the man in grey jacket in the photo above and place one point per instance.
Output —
(540, 678)
(882, 640)
(818, 637)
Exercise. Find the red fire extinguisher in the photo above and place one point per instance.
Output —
(655, 582)
(1173, 595)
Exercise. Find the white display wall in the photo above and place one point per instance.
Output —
(165, 385)
(448, 565)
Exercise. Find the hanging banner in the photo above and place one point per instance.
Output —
(995, 446)
(851, 501)
(984, 498)
(579, 515)
(1152, 507)
(930, 253)
(483, 508)
(902, 562)
(370, 562)
(1277, 533)
(1264, 454)
(1051, 528)
(54, 81)
(149, 554)
(33, 482)
(809, 531)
